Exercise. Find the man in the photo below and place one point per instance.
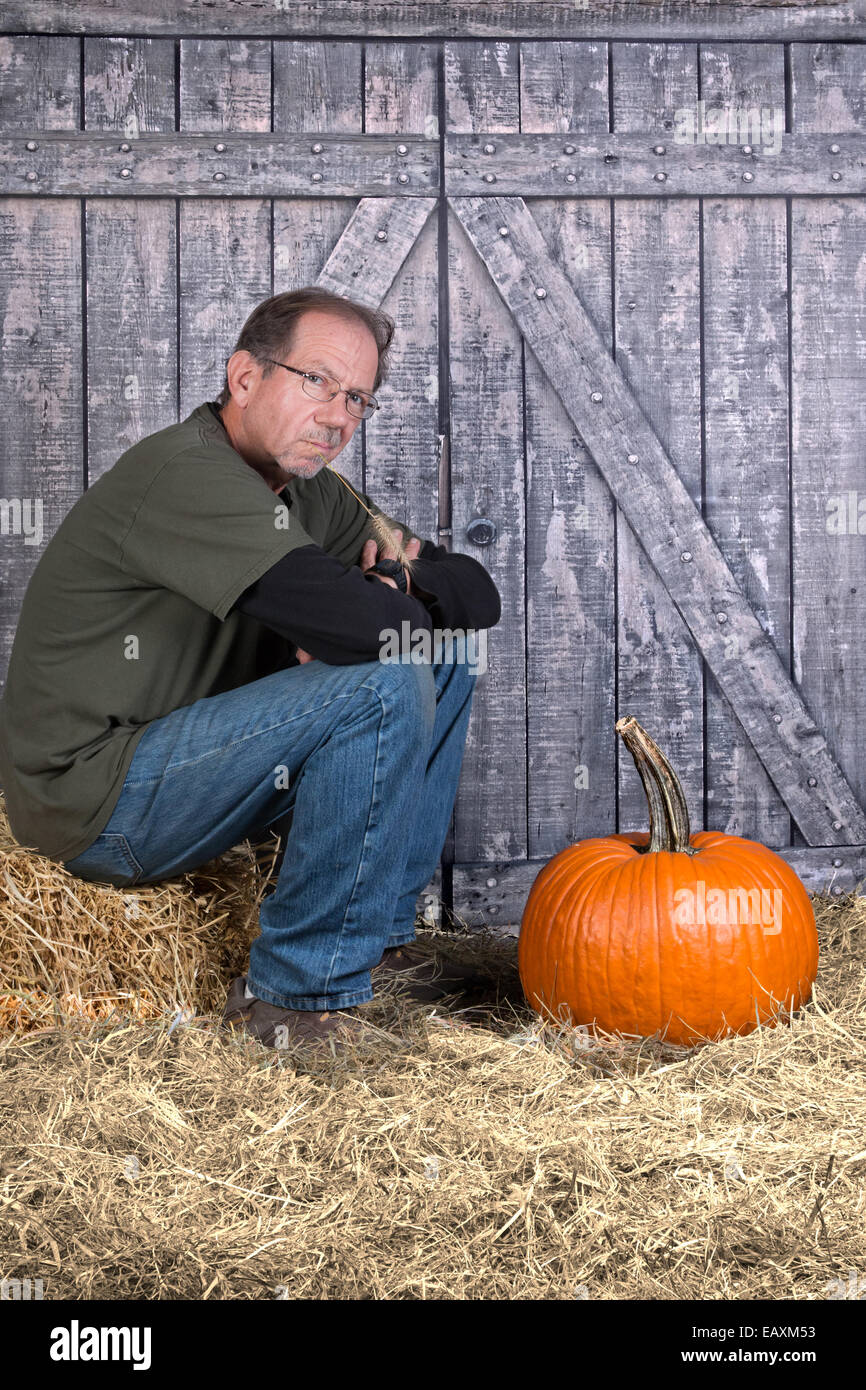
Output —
(198, 658)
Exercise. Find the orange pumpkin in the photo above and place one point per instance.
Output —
(687, 937)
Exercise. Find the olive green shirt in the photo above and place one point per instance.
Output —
(126, 616)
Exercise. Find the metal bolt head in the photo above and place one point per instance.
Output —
(568, 149)
(381, 236)
(659, 149)
(837, 863)
(777, 718)
(813, 781)
(686, 555)
(747, 149)
(125, 148)
(837, 891)
(317, 149)
(489, 178)
(31, 145)
(219, 177)
(748, 176)
(402, 178)
(220, 148)
(489, 149)
(491, 883)
(540, 293)
(660, 176)
(834, 149)
(481, 530)
(125, 173)
(571, 178)
(31, 175)
(836, 176)
(503, 231)
(837, 825)
(596, 397)
(633, 458)
(402, 149)
(317, 178)
(721, 617)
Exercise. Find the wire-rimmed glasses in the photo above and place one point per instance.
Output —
(325, 388)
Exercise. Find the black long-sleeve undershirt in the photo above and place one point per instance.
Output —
(337, 614)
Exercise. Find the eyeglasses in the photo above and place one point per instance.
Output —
(324, 388)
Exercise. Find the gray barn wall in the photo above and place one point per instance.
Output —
(738, 322)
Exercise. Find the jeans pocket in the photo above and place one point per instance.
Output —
(108, 860)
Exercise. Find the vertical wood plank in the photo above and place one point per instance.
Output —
(482, 93)
(657, 335)
(225, 84)
(129, 84)
(225, 243)
(570, 577)
(317, 90)
(746, 414)
(401, 441)
(39, 82)
(828, 404)
(40, 387)
(130, 262)
(41, 356)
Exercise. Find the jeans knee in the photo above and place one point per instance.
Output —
(408, 689)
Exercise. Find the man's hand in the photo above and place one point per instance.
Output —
(370, 557)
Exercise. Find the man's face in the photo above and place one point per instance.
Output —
(271, 421)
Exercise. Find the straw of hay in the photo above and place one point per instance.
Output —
(480, 1154)
(72, 947)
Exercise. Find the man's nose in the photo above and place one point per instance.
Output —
(334, 414)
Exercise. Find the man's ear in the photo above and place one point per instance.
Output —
(241, 369)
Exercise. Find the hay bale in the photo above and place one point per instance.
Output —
(73, 948)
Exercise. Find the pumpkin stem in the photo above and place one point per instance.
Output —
(668, 813)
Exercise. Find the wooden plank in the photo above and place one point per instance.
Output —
(317, 94)
(401, 442)
(225, 84)
(129, 85)
(41, 388)
(252, 165)
(570, 522)
(365, 263)
(645, 164)
(225, 248)
(488, 476)
(131, 304)
(131, 313)
(746, 427)
(828, 407)
(130, 260)
(533, 19)
(658, 347)
(39, 88)
(245, 165)
(494, 893)
(41, 349)
(664, 518)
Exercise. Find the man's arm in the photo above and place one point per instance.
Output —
(456, 589)
(334, 613)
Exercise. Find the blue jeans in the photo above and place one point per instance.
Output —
(366, 759)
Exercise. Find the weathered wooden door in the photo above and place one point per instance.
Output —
(630, 372)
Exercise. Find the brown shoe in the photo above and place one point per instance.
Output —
(280, 1028)
(411, 971)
